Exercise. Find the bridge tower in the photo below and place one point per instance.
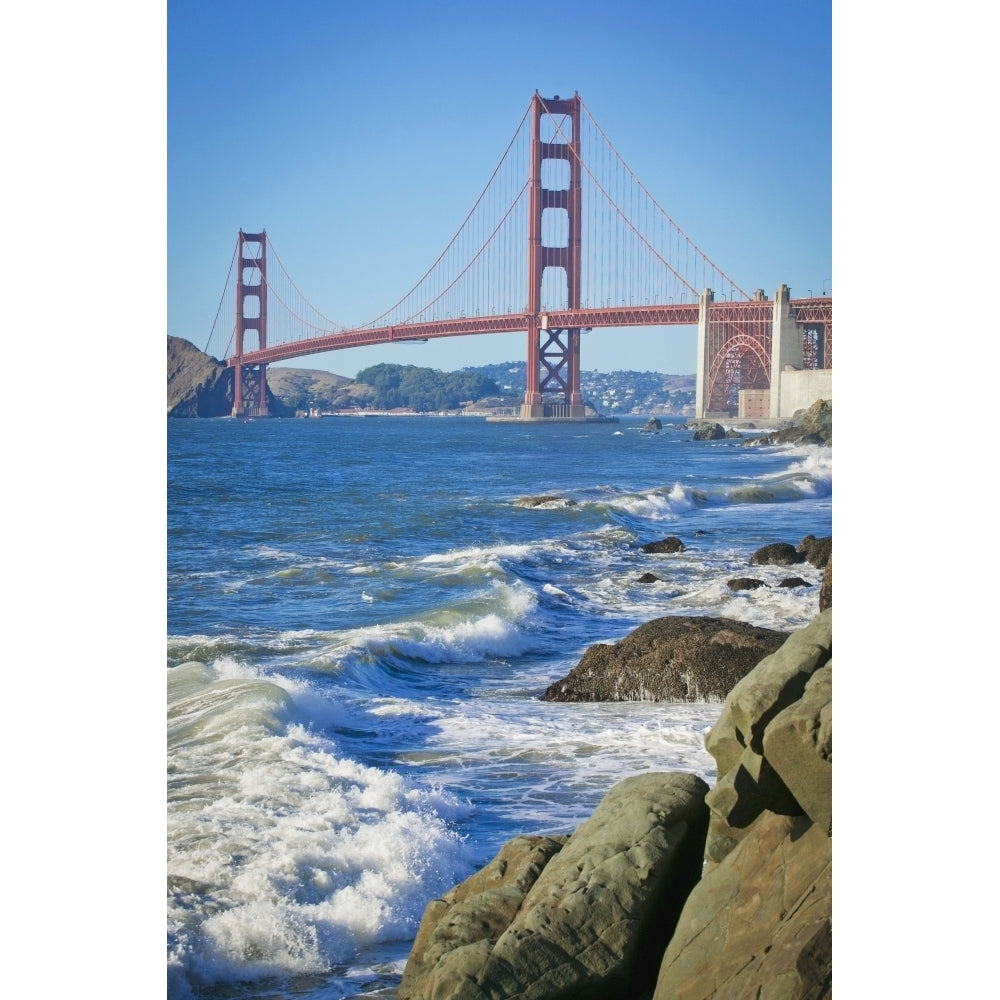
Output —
(250, 381)
(554, 353)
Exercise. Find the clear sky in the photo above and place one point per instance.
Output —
(359, 136)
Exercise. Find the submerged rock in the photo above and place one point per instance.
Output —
(544, 501)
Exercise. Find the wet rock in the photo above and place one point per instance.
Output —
(461, 928)
(745, 583)
(748, 782)
(826, 588)
(816, 551)
(776, 554)
(794, 581)
(595, 920)
(760, 923)
(543, 501)
(669, 544)
(679, 658)
(709, 432)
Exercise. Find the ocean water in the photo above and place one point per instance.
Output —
(361, 618)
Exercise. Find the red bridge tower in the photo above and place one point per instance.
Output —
(554, 353)
(250, 381)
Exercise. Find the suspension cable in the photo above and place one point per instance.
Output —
(225, 288)
(458, 232)
(611, 146)
(336, 327)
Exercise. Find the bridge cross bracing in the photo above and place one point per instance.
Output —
(563, 238)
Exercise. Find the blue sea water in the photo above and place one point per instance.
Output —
(361, 617)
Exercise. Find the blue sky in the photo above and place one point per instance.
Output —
(359, 136)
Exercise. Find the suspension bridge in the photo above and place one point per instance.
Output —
(563, 239)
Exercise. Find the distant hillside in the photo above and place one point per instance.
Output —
(618, 393)
(199, 385)
(304, 389)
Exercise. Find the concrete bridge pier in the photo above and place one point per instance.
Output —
(700, 402)
(786, 346)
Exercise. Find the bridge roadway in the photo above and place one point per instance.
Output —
(814, 310)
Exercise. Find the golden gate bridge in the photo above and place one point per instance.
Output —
(563, 238)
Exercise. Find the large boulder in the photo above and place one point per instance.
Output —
(826, 587)
(760, 923)
(818, 420)
(777, 554)
(595, 921)
(669, 544)
(748, 780)
(458, 931)
(812, 426)
(709, 432)
(816, 551)
(679, 658)
(798, 744)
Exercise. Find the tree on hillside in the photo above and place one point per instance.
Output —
(424, 389)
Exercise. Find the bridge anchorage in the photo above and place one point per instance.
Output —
(563, 239)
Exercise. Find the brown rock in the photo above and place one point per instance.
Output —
(760, 923)
(669, 544)
(776, 554)
(826, 587)
(816, 551)
(467, 921)
(748, 783)
(544, 501)
(594, 922)
(709, 432)
(679, 658)
(798, 744)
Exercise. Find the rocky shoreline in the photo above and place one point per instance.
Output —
(671, 889)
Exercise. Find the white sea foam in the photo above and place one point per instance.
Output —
(477, 555)
(657, 505)
(812, 472)
(285, 856)
(565, 760)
